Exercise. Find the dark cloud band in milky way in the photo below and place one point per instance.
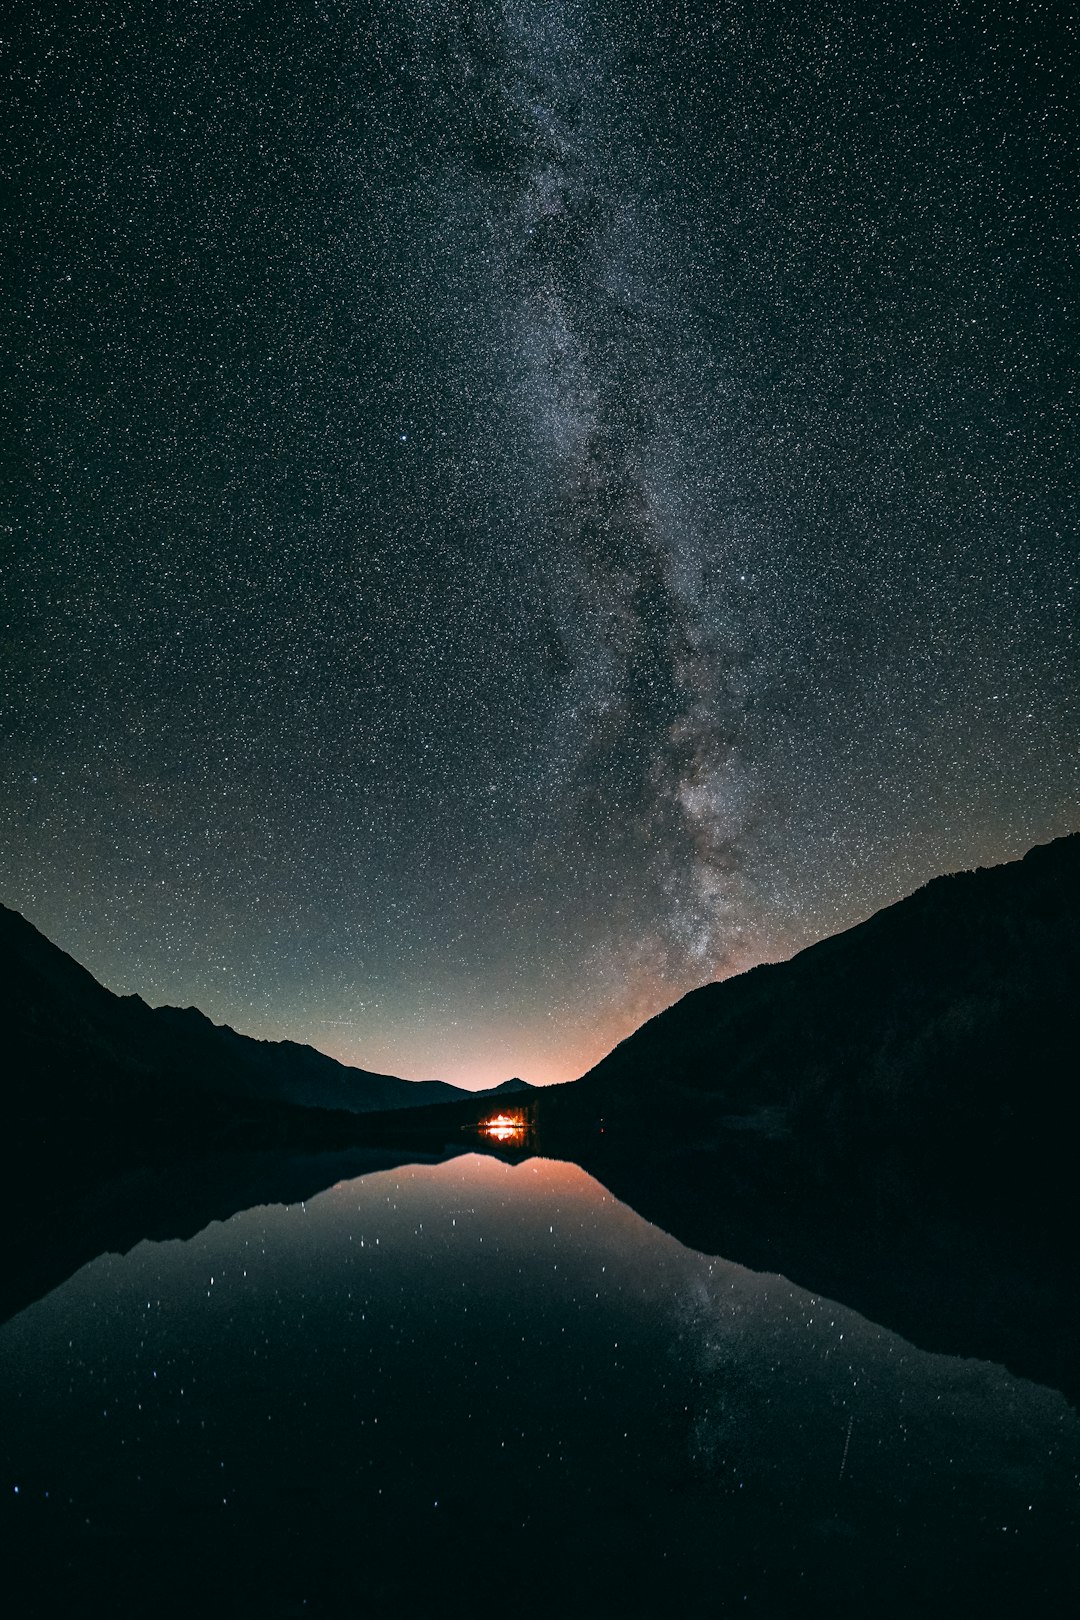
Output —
(652, 696)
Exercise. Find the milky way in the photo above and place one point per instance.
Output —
(649, 725)
(522, 509)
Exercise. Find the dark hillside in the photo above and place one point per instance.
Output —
(78, 1056)
(946, 1025)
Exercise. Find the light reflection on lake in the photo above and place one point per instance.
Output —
(498, 1386)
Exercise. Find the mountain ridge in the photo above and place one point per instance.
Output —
(77, 1050)
(974, 970)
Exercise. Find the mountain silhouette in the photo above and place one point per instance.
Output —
(78, 1054)
(942, 1032)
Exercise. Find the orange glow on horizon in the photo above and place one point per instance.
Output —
(543, 1055)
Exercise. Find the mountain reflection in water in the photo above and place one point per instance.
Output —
(326, 1407)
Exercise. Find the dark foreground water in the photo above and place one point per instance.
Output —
(475, 1388)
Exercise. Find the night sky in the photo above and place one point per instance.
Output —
(521, 509)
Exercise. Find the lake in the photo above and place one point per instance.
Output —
(476, 1387)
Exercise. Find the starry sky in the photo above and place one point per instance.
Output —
(520, 509)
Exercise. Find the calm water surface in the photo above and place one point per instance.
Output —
(474, 1387)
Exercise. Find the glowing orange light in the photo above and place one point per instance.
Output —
(503, 1127)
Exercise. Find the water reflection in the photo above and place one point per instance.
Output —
(328, 1406)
